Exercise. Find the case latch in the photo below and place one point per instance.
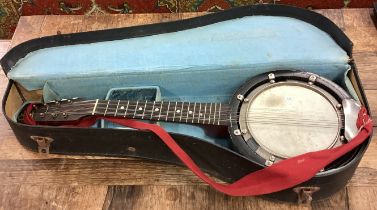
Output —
(305, 194)
(43, 143)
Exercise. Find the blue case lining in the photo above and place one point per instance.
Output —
(204, 64)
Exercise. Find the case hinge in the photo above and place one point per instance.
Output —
(43, 143)
(305, 194)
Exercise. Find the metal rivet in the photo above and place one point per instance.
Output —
(244, 131)
(339, 106)
(343, 139)
(272, 158)
(246, 100)
(41, 115)
(240, 97)
(64, 115)
(271, 76)
(312, 78)
(131, 149)
(268, 163)
(237, 132)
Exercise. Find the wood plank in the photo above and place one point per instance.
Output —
(359, 27)
(52, 197)
(65, 171)
(54, 24)
(4, 45)
(335, 15)
(364, 177)
(372, 99)
(362, 198)
(29, 27)
(337, 201)
(187, 197)
(360, 17)
(366, 63)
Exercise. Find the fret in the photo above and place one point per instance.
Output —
(154, 102)
(159, 115)
(167, 112)
(214, 115)
(95, 106)
(107, 106)
(209, 116)
(180, 118)
(205, 112)
(125, 113)
(145, 105)
(188, 110)
(116, 109)
(193, 114)
(218, 121)
(200, 111)
(137, 103)
(175, 109)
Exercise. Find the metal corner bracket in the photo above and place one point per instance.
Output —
(43, 143)
(305, 194)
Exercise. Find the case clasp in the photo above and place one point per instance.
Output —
(43, 143)
(305, 194)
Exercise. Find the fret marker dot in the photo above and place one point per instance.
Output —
(190, 112)
(122, 107)
(178, 111)
(156, 109)
(140, 108)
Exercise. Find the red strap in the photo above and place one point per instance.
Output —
(277, 177)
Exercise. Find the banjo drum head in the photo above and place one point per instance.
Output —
(283, 119)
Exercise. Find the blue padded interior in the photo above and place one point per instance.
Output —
(204, 64)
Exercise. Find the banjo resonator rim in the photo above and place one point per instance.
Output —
(243, 138)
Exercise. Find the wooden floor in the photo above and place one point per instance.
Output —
(34, 181)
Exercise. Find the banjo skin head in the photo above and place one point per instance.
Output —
(283, 114)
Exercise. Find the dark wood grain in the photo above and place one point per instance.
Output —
(30, 180)
(52, 197)
(362, 197)
(187, 197)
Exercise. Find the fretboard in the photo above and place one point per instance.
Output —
(181, 112)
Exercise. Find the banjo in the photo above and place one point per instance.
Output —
(273, 116)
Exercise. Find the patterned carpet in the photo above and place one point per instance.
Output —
(11, 10)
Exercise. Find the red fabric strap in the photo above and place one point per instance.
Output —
(277, 177)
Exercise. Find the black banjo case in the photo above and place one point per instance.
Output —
(309, 29)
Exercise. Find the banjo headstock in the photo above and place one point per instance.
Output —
(62, 110)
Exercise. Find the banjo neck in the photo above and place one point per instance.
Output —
(179, 112)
